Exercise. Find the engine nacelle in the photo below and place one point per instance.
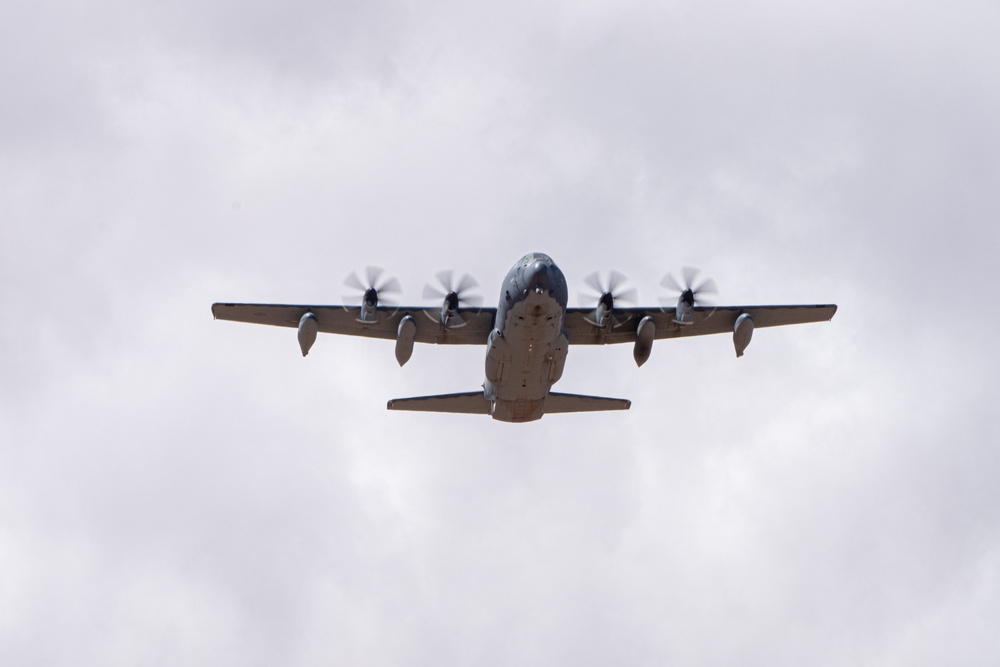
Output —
(448, 308)
(644, 336)
(605, 306)
(308, 326)
(404, 339)
(369, 306)
(684, 314)
(742, 333)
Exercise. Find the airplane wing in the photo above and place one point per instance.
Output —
(707, 320)
(473, 330)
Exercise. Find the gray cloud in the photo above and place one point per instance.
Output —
(180, 490)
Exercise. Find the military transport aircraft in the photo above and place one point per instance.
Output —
(527, 335)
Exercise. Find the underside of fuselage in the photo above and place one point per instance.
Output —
(527, 349)
(526, 358)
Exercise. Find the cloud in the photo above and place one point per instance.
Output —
(194, 491)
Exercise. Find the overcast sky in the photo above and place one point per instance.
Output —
(180, 491)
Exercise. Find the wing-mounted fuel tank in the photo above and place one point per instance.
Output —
(644, 336)
(742, 333)
(404, 339)
(308, 327)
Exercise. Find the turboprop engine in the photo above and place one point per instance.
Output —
(448, 308)
(453, 294)
(605, 304)
(689, 291)
(374, 287)
(607, 292)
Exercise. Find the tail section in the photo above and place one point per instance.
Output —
(475, 403)
(470, 403)
(579, 403)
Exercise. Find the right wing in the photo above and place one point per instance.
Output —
(707, 320)
(474, 329)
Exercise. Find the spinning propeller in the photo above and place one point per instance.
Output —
(689, 291)
(453, 294)
(372, 290)
(607, 293)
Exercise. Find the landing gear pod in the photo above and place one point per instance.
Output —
(644, 336)
(404, 339)
(308, 326)
(742, 332)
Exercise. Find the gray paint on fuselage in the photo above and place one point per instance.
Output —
(526, 351)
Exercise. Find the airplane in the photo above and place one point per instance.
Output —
(528, 334)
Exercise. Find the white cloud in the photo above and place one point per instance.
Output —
(183, 490)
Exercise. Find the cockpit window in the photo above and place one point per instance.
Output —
(531, 258)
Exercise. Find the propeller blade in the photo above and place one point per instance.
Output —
(614, 287)
(692, 288)
(707, 286)
(376, 279)
(594, 282)
(448, 285)
(444, 277)
(671, 283)
(628, 296)
(474, 300)
(615, 280)
(688, 273)
(373, 273)
(466, 283)
(431, 292)
(354, 282)
(390, 286)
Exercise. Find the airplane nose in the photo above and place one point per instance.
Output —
(538, 277)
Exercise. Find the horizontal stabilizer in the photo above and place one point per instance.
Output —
(577, 403)
(470, 403)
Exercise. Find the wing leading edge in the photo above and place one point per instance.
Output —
(474, 329)
(478, 322)
(625, 321)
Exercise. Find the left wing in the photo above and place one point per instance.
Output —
(706, 320)
(474, 328)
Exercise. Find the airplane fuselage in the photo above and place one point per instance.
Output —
(526, 351)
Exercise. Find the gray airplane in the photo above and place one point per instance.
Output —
(527, 335)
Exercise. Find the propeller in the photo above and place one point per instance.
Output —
(453, 293)
(688, 292)
(457, 292)
(607, 292)
(373, 288)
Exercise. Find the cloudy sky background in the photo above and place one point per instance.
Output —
(175, 490)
